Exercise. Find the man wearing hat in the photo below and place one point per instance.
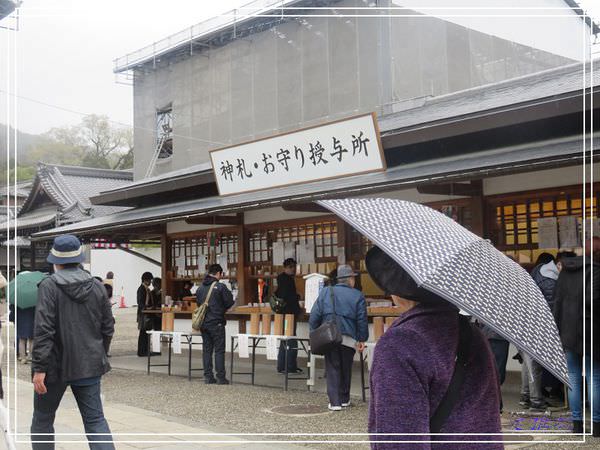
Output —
(348, 306)
(73, 327)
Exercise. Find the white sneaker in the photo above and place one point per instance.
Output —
(334, 408)
(345, 405)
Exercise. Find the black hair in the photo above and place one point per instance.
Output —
(544, 258)
(289, 262)
(156, 281)
(110, 275)
(214, 269)
(188, 282)
(147, 276)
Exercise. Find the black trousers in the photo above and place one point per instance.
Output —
(142, 349)
(213, 341)
(338, 368)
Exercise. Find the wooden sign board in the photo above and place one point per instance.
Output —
(337, 149)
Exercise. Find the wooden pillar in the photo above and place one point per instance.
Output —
(289, 324)
(32, 258)
(278, 324)
(341, 239)
(266, 324)
(254, 323)
(165, 257)
(478, 211)
(389, 321)
(377, 327)
(242, 275)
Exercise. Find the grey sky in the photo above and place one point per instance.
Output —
(65, 52)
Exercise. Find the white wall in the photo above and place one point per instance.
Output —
(127, 268)
(566, 35)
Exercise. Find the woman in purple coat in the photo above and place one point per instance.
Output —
(413, 366)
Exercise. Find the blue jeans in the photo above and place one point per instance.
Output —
(574, 365)
(90, 407)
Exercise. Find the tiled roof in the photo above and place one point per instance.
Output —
(70, 188)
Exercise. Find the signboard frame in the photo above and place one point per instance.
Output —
(379, 144)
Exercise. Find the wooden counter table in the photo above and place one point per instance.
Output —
(378, 315)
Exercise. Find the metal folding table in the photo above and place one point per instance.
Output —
(254, 341)
(189, 337)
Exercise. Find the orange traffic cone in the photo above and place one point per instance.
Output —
(122, 302)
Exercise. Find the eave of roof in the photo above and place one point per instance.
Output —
(492, 163)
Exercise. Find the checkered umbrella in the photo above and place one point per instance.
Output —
(449, 260)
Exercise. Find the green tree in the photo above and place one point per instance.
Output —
(95, 142)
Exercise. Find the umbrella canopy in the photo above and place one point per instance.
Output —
(26, 283)
(459, 266)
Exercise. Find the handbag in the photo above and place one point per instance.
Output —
(277, 304)
(328, 335)
(200, 312)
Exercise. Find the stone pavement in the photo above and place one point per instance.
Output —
(124, 419)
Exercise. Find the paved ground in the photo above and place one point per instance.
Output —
(157, 403)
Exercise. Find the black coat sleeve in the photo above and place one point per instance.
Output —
(107, 319)
(141, 297)
(226, 297)
(44, 326)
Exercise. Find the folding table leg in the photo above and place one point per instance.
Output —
(189, 358)
(170, 340)
(231, 362)
(285, 370)
(149, 353)
(362, 376)
(254, 344)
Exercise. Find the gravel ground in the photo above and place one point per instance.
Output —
(239, 408)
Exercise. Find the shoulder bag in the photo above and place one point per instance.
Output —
(451, 396)
(328, 335)
(200, 312)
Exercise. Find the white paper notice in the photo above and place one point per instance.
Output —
(177, 343)
(202, 260)
(289, 250)
(341, 256)
(155, 341)
(569, 232)
(278, 253)
(243, 345)
(272, 349)
(592, 228)
(180, 263)
(222, 261)
(547, 232)
(305, 252)
(312, 287)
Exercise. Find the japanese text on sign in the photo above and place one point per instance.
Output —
(337, 149)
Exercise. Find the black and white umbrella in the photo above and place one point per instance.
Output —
(445, 258)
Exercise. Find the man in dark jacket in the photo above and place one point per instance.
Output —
(286, 289)
(351, 315)
(219, 300)
(144, 301)
(73, 327)
(570, 316)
